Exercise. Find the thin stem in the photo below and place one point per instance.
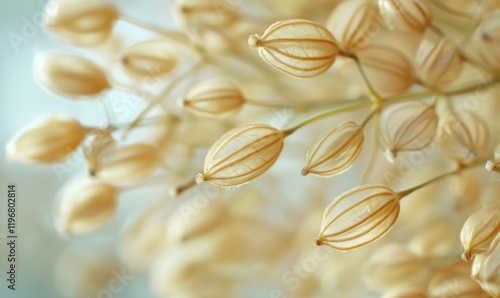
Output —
(459, 169)
(461, 91)
(319, 116)
(184, 187)
(159, 98)
(373, 156)
(375, 96)
(143, 122)
(269, 103)
(173, 35)
(451, 10)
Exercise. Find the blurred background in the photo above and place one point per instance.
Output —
(48, 263)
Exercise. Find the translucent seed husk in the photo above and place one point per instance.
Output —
(438, 62)
(72, 76)
(406, 292)
(299, 48)
(359, 217)
(489, 266)
(388, 70)
(48, 140)
(407, 126)
(335, 151)
(81, 22)
(241, 155)
(479, 230)
(405, 15)
(462, 136)
(454, 281)
(149, 59)
(213, 98)
(127, 164)
(486, 40)
(85, 206)
(354, 23)
(388, 266)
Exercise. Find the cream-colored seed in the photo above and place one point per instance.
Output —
(479, 230)
(127, 164)
(149, 59)
(359, 217)
(486, 40)
(49, 140)
(72, 76)
(213, 98)
(81, 22)
(354, 23)
(241, 155)
(438, 62)
(388, 269)
(85, 206)
(405, 15)
(406, 292)
(437, 238)
(335, 151)
(299, 48)
(388, 70)
(487, 267)
(407, 127)
(454, 281)
(462, 136)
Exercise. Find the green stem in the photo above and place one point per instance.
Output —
(459, 169)
(373, 156)
(375, 96)
(325, 114)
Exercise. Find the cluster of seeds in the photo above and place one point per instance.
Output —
(410, 80)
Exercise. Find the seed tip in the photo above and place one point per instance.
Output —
(318, 241)
(254, 41)
(304, 171)
(200, 179)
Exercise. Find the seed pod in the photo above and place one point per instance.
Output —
(388, 266)
(479, 230)
(493, 166)
(387, 69)
(406, 292)
(438, 61)
(149, 59)
(81, 22)
(437, 238)
(213, 98)
(49, 140)
(358, 217)
(405, 15)
(486, 41)
(127, 164)
(462, 136)
(299, 48)
(241, 155)
(487, 266)
(72, 76)
(354, 23)
(486, 269)
(85, 206)
(335, 151)
(407, 127)
(199, 14)
(454, 281)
